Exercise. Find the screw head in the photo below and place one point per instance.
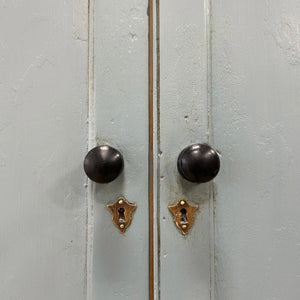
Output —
(122, 226)
(182, 202)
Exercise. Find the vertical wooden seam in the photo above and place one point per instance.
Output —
(150, 151)
(157, 219)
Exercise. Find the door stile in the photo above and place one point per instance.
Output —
(184, 107)
(121, 89)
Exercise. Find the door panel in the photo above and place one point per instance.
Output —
(120, 261)
(43, 85)
(184, 106)
(256, 121)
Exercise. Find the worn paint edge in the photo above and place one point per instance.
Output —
(208, 38)
(90, 190)
(156, 150)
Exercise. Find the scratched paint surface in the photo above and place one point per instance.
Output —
(43, 132)
(256, 126)
(120, 261)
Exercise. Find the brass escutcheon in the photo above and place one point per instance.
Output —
(183, 215)
(121, 212)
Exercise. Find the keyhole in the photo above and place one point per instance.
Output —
(183, 218)
(121, 218)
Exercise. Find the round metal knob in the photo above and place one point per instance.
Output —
(198, 163)
(103, 164)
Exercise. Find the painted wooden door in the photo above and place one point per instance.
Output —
(149, 78)
(224, 73)
(149, 129)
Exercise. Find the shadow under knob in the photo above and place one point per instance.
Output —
(103, 164)
(198, 163)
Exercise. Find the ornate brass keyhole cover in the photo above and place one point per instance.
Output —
(121, 212)
(183, 215)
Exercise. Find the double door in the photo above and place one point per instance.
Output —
(172, 74)
(149, 79)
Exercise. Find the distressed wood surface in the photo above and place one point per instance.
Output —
(184, 260)
(120, 261)
(256, 124)
(43, 91)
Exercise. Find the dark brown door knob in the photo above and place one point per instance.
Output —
(198, 163)
(103, 164)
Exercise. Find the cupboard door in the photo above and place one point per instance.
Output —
(120, 62)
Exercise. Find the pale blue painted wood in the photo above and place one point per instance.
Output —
(43, 95)
(256, 126)
(120, 262)
(184, 261)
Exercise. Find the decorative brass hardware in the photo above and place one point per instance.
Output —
(121, 212)
(183, 215)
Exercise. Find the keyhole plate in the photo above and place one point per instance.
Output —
(121, 212)
(183, 215)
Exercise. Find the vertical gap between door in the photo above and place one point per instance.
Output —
(150, 152)
(158, 150)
